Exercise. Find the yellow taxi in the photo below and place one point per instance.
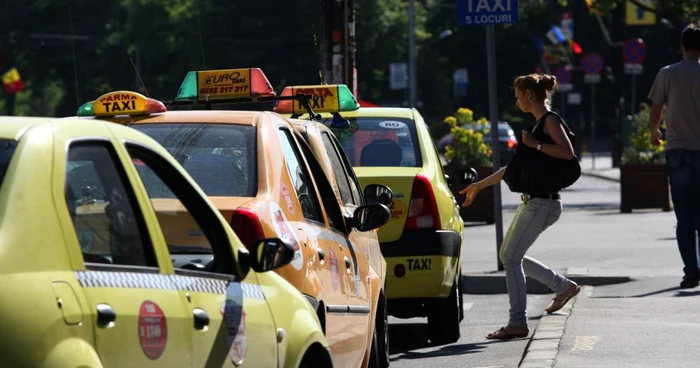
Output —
(422, 243)
(348, 193)
(90, 217)
(266, 182)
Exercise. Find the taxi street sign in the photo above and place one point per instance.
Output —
(636, 16)
(487, 12)
(121, 103)
(224, 84)
(324, 98)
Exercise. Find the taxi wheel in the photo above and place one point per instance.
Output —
(444, 317)
(461, 296)
(379, 356)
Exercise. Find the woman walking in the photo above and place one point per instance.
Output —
(539, 210)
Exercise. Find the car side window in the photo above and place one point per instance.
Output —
(355, 187)
(301, 180)
(194, 234)
(103, 208)
(341, 175)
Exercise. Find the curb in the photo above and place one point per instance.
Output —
(495, 283)
(543, 347)
(599, 176)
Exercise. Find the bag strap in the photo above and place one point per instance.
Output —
(544, 117)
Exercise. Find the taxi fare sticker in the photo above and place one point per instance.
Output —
(153, 329)
(122, 102)
(227, 83)
(234, 317)
(398, 209)
(287, 199)
(334, 268)
(284, 231)
(324, 99)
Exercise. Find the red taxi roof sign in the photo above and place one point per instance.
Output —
(224, 84)
(326, 98)
(121, 103)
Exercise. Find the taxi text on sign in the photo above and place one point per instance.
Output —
(486, 12)
(123, 102)
(324, 98)
(222, 84)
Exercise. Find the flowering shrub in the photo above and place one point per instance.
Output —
(640, 149)
(468, 147)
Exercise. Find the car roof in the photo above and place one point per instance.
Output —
(12, 127)
(237, 117)
(382, 112)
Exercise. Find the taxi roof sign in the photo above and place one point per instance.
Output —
(325, 98)
(121, 103)
(224, 84)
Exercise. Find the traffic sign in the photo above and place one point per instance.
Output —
(634, 51)
(592, 64)
(487, 12)
(563, 78)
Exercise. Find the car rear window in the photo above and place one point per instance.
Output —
(7, 148)
(374, 141)
(220, 157)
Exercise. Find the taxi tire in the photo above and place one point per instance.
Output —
(379, 356)
(461, 296)
(444, 317)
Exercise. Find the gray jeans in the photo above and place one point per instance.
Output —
(531, 219)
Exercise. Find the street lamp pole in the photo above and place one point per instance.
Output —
(411, 54)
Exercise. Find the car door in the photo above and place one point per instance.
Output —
(354, 265)
(139, 318)
(337, 284)
(230, 321)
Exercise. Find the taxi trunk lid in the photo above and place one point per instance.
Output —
(400, 180)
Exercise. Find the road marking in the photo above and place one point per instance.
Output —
(467, 306)
(585, 343)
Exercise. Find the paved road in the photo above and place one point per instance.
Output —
(648, 322)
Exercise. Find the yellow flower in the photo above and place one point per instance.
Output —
(451, 121)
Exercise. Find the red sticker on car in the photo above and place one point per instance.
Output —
(153, 330)
(334, 268)
(287, 199)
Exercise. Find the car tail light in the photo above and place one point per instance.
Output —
(422, 212)
(512, 142)
(247, 226)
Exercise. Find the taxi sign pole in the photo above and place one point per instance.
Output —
(493, 116)
(487, 14)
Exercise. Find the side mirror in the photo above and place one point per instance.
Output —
(371, 216)
(270, 254)
(377, 193)
(463, 177)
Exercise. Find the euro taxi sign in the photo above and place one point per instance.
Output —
(324, 98)
(224, 84)
(121, 103)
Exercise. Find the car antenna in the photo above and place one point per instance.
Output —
(139, 76)
(201, 42)
(75, 63)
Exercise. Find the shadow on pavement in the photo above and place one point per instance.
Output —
(688, 293)
(644, 295)
(406, 337)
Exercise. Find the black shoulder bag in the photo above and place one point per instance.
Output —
(532, 171)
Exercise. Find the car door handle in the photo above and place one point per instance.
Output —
(347, 262)
(106, 316)
(201, 319)
(321, 254)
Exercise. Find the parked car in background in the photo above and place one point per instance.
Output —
(507, 142)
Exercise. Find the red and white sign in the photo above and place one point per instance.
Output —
(153, 330)
(285, 231)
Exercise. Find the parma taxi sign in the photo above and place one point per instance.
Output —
(224, 84)
(325, 98)
(121, 103)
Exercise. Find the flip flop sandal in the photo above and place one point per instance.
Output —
(508, 332)
(560, 300)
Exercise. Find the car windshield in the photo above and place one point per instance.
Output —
(378, 141)
(221, 158)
